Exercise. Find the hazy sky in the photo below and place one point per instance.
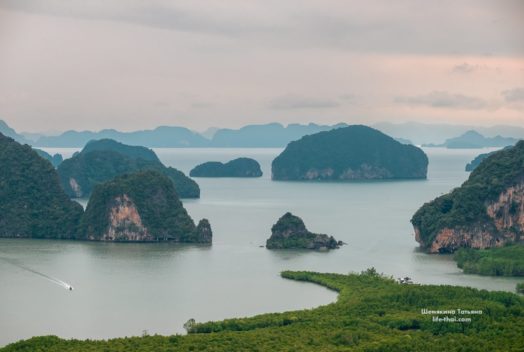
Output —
(131, 64)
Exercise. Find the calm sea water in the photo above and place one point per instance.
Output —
(124, 289)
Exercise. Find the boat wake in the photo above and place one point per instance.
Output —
(47, 277)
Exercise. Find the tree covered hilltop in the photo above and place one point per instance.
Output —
(140, 207)
(372, 313)
(240, 167)
(349, 153)
(32, 203)
(486, 211)
(102, 160)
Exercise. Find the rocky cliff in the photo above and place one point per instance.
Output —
(486, 211)
(349, 153)
(140, 207)
(290, 233)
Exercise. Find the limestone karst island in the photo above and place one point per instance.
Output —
(261, 176)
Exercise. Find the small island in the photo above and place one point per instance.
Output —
(350, 153)
(140, 207)
(486, 211)
(104, 159)
(290, 233)
(241, 167)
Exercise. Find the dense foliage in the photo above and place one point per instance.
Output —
(132, 151)
(520, 287)
(353, 152)
(466, 206)
(372, 313)
(241, 167)
(32, 203)
(105, 159)
(55, 159)
(500, 261)
(472, 165)
(156, 201)
(290, 232)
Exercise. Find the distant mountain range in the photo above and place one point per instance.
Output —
(9, 132)
(261, 136)
(473, 139)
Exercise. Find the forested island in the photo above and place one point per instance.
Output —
(140, 207)
(349, 153)
(104, 159)
(372, 313)
(32, 203)
(486, 211)
(240, 167)
(290, 233)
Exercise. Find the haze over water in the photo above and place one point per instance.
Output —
(122, 289)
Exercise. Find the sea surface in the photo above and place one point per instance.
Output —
(131, 289)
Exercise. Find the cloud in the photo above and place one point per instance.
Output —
(294, 102)
(442, 99)
(514, 95)
(371, 26)
(464, 68)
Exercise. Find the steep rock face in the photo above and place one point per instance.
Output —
(290, 233)
(102, 160)
(241, 167)
(349, 153)
(125, 224)
(32, 203)
(486, 211)
(140, 207)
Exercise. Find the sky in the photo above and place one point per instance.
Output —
(137, 64)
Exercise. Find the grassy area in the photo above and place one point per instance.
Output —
(372, 313)
(503, 261)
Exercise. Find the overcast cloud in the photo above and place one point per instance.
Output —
(131, 64)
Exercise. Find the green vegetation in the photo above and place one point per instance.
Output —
(499, 261)
(353, 152)
(372, 313)
(32, 203)
(105, 159)
(465, 206)
(241, 167)
(520, 287)
(160, 216)
(290, 233)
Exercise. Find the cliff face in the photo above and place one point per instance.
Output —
(486, 211)
(290, 233)
(349, 153)
(125, 223)
(140, 207)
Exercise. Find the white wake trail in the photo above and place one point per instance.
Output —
(47, 277)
